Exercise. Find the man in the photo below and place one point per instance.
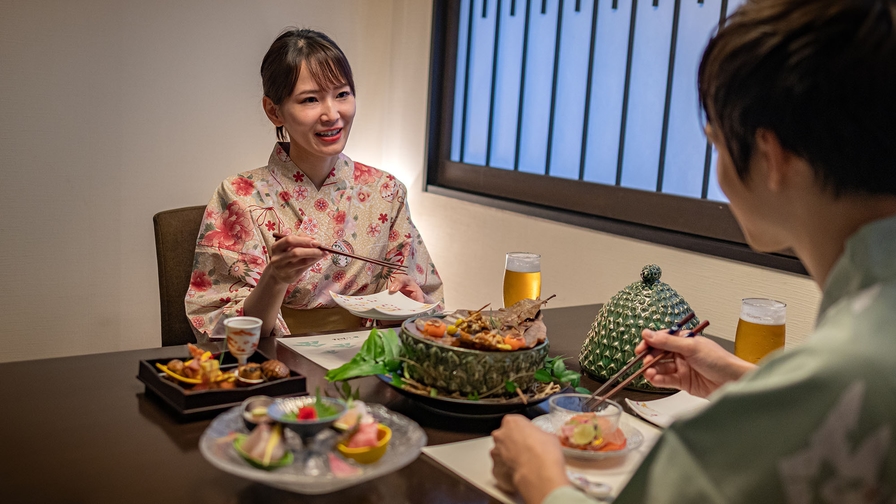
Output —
(800, 100)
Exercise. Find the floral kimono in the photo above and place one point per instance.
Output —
(358, 209)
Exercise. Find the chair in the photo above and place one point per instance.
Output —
(176, 231)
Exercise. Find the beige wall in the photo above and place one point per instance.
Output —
(111, 111)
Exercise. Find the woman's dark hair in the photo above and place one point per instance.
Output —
(322, 58)
(820, 75)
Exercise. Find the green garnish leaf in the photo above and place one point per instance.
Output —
(473, 396)
(558, 367)
(583, 390)
(543, 376)
(396, 379)
(433, 392)
(510, 386)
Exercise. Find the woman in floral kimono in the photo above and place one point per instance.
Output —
(311, 194)
(800, 103)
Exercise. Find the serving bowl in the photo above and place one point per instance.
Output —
(565, 406)
(467, 371)
(368, 454)
(254, 410)
(286, 409)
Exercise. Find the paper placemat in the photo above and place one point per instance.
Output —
(664, 411)
(328, 351)
(471, 461)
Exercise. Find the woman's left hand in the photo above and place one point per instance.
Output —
(407, 286)
(527, 459)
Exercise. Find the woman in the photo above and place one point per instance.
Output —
(257, 253)
(800, 105)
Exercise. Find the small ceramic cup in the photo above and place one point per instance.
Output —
(243, 334)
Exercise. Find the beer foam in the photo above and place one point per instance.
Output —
(523, 262)
(763, 311)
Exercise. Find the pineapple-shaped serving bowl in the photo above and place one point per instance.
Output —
(616, 331)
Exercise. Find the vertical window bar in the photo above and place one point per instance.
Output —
(484, 8)
(463, 124)
(615, 4)
(588, 90)
(669, 76)
(513, 7)
(519, 115)
(707, 162)
(547, 162)
(625, 93)
(544, 6)
(491, 106)
(578, 5)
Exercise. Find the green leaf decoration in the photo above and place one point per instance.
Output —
(510, 386)
(433, 392)
(543, 376)
(559, 367)
(583, 390)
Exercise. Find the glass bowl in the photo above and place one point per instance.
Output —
(565, 406)
(254, 410)
(281, 409)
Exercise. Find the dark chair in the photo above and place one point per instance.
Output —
(176, 231)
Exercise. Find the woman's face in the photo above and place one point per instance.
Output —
(318, 120)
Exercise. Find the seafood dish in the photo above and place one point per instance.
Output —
(203, 372)
(591, 432)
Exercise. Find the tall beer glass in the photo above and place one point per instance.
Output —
(760, 329)
(522, 277)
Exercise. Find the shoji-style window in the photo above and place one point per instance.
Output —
(584, 111)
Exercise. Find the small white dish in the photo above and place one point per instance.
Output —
(633, 440)
(382, 305)
(662, 412)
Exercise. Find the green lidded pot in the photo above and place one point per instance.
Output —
(616, 331)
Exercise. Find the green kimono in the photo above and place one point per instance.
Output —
(814, 424)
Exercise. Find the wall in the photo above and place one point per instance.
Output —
(111, 111)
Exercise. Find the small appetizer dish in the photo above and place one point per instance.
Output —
(366, 440)
(306, 415)
(563, 407)
(590, 433)
(255, 411)
(264, 448)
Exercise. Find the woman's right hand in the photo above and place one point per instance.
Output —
(291, 255)
(698, 365)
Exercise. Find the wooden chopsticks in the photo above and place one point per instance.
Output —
(400, 268)
(638, 358)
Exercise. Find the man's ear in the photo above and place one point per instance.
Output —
(272, 111)
(776, 160)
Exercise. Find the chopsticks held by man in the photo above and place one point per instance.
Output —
(800, 101)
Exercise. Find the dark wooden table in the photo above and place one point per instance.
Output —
(81, 429)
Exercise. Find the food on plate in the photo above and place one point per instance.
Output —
(589, 431)
(365, 440)
(251, 371)
(508, 329)
(314, 411)
(274, 370)
(264, 447)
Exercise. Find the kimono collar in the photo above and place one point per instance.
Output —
(868, 258)
(280, 160)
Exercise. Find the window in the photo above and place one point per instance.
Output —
(584, 111)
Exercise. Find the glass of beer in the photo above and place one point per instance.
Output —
(522, 277)
(760, 329)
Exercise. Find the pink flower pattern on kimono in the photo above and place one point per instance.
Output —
(241, 219)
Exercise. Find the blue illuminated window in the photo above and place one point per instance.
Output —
(600, 91)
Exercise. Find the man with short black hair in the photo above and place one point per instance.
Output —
(800, 100)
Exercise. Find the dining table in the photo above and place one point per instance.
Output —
(83, 429)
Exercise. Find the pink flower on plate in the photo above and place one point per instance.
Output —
(300, 193)
(242, 186)
(232, 228)
(309, 226)
(364, 174)
(198, 322)
(373, 230)
(200, 281)
(321, 205)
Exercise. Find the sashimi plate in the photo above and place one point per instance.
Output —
(383, 305)
(633, 439)
(216, 445)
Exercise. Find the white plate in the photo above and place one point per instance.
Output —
(633, 439)
(216, 446)
(382, 305)
(663, 412)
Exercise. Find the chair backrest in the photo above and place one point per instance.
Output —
(176, 232)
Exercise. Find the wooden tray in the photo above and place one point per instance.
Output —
(189, 405)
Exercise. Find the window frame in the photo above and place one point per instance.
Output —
(698, 225)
